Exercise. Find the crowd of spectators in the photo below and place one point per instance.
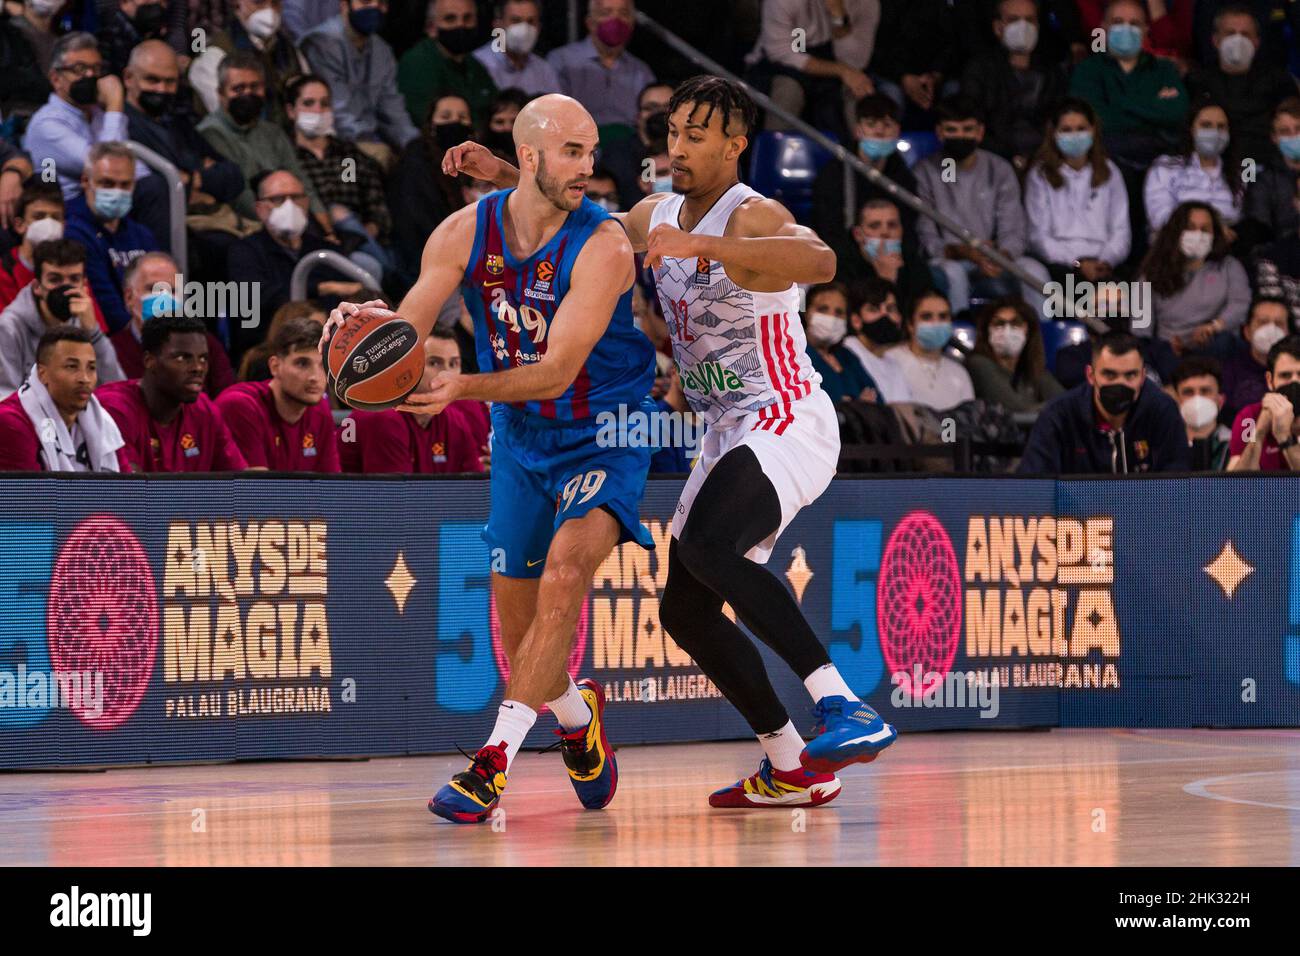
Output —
(1148, 149)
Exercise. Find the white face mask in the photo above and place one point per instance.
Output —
(43, 230)
(1008, 341)
(315, 124)
(1020, 36)
(263, 23)
(45, 8)
(1195, 244)
(287, 219)
(826, 330)
(1236, 51)
(1263, 338)
(1198, 411)
(521, 38)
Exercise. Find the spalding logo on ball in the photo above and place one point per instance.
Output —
(375, 360)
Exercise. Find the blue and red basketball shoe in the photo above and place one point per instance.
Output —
(474, 793)
(593, 771)
(778, 788)
(848, 731)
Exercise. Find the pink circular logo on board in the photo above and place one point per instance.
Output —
(103, 617)
(918, 601)
(575, 658)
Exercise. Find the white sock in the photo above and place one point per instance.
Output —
(783, 747)
(571, 708)
(514, 720)
(826, 681)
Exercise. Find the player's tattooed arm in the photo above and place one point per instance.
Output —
(763, 246)
(442, 266)
(602, 273)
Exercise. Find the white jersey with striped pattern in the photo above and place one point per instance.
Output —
(737, 351)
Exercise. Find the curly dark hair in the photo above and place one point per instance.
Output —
(1165, 266)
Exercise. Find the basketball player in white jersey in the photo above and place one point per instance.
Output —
(726, 264)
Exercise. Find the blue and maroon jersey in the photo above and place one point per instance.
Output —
(514, 301)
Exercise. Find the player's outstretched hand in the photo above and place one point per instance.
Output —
(472, 159)
(340, 315)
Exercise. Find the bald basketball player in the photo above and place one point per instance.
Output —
(727, 262)
(547, 276)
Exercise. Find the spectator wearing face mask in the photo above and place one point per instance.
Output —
(58, 296)
(626, 157)
(1200, 293)
(598, 71)
(1264, 432)
(826, 326)
(1007, 366)
(133, 22)
(1248, 87)
(54, 422)
(150, 285)
(38, 27)
(1270, 211)
(1169, 31)
(442, 62)
(38, 217)
(356, 204)
(358, 64)
(1198, 173)
(1014, 86)
(268, 257)
(876, 131)
(252, 27)
(100, 219)
(982, 192)
(1244, 371)
(1197, 384)
(933, 378)
(1075, 200)
(420, 189)
(1139, 97)
(1116, 422)
(876, 327)
(602, 189)
(498, 130)
(511, 61)
(881, 249)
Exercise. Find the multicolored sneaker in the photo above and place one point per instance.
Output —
(778, 788)
(587, 753)
(848, 731)
(474, 793)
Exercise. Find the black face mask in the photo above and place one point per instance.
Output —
(1292, 392)
(1116, 399)
(149, 20)
(959, 147)
(656, 126)
(449, 134)
(57, 301)
(458, 41)
(157, 104)
(84, 91)
(883, 331)
(244, 109)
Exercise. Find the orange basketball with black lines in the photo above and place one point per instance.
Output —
(375, 360)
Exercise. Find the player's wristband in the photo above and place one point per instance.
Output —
(1289, 443)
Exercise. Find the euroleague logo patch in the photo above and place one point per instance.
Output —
(545, 270)
(360, 364)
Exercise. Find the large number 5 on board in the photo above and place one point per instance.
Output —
(586, 485)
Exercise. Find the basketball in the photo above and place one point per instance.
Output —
(375, 360)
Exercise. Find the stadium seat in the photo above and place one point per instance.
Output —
(784, 166)
(1058, 333)
(915, 146)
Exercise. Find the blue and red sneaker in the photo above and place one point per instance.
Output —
(474, 793)
(778, 788)
(593, 771)
(848, 731)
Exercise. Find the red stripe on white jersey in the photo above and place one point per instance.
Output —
(767, 332)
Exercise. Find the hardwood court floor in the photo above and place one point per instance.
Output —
(1073, 797)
